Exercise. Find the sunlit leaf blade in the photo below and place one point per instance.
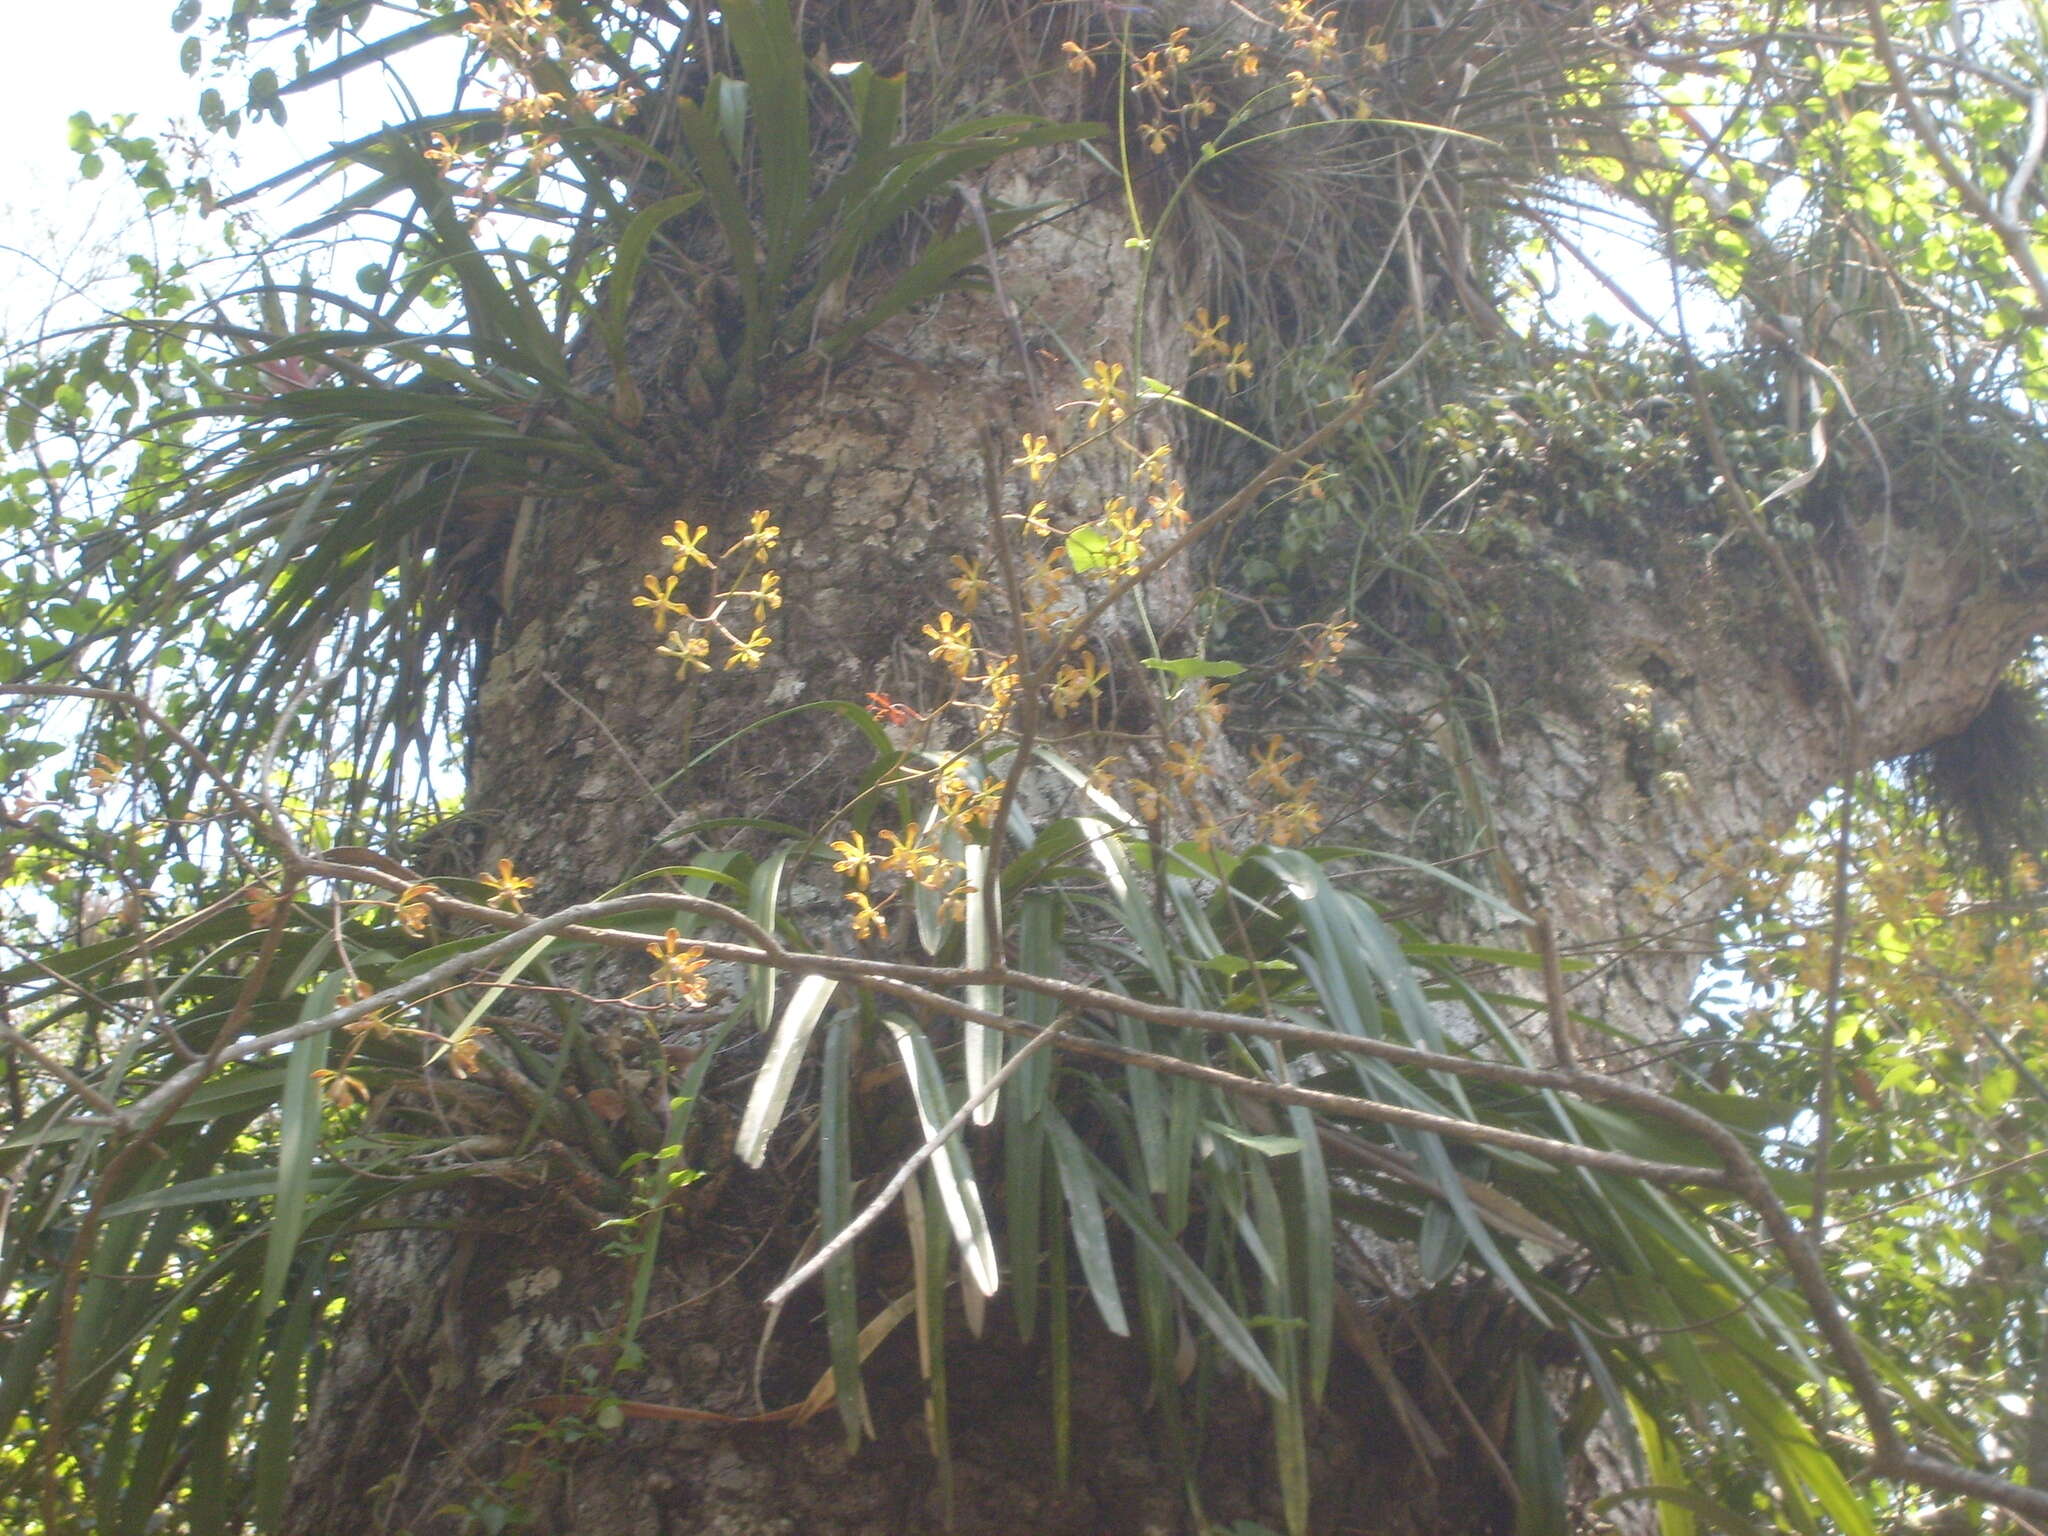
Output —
(950, 1170)
(807, 1004)
(764, 893)
(983, 1046)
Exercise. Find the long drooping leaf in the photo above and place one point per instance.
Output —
(764, 38)
(1538, 1460)
(1189, 1282)
(807, 1004)
(298, 1139)
(951, 1171)
(835, 1209)
(1084, 1215)
(626, 261)
(983, 1045)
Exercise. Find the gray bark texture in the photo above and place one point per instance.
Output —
(1676, 713)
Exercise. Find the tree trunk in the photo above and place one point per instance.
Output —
(1677, 713)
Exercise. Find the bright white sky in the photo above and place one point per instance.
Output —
(123, 59)
(109, 57)
(57, 232)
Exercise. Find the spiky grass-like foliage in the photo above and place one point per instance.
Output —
(334, 491)
(1198, 1190)
(1987, 785)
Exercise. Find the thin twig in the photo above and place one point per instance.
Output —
(58, 1070)
(2017, 240)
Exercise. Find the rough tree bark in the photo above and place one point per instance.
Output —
(875, 472)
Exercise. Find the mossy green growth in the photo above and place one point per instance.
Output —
(1498, 456)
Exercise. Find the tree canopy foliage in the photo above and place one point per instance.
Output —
(258, 993)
